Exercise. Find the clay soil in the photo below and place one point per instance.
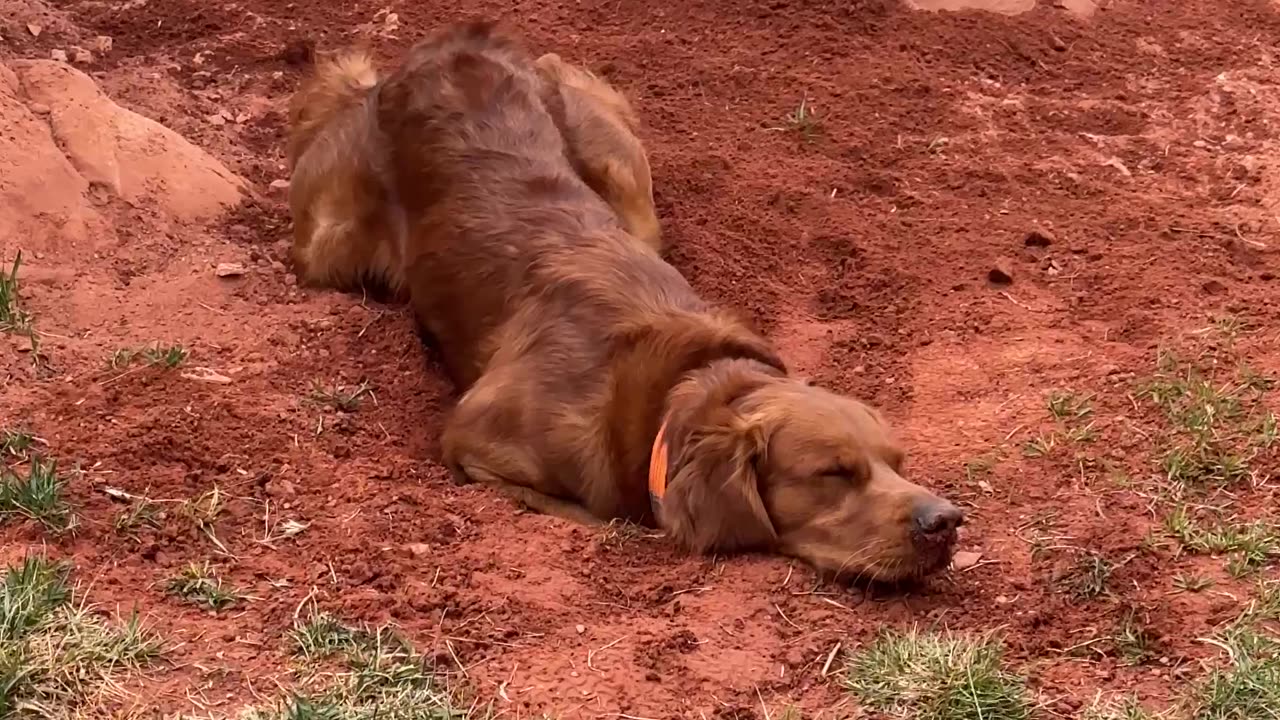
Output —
(1117, 170)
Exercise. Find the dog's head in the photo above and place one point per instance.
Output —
(763, 461)
(336, 84)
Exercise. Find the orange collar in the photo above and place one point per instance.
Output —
(658, 470)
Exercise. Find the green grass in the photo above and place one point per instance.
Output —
(341, 397)
(16, 443)
(322, 635)
(37, 495)
(1219, 424)
(1192, 583)
(169, 357)
(13, 318)
(925, 675)
(59, 659)
(1088, 579)
(802, 121)
(1041, 445)
(383, 678)
(1131, 640)
(141, 513)
(1067, 406)
(1250, 545)
(1248, 686)
(197, 583)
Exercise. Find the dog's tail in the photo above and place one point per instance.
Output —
(336, 84)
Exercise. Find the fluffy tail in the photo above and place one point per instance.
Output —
(336, 84)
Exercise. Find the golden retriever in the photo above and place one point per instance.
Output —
(597, 383)
(345, 211)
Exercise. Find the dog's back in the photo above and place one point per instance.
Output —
(496, 210)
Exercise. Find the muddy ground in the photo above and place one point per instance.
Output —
(979, 216)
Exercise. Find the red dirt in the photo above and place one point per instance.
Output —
(1141, 140)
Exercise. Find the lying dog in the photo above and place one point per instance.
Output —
(589, 363)
(346, 214)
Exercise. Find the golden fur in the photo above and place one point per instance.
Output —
(573, 343)
(347, 219)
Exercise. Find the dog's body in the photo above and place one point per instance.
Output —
(348, 223)
(577, 346)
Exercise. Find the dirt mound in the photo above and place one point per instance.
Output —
(114, 151)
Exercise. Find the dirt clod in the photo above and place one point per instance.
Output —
(1001, 272)
(1038, 238)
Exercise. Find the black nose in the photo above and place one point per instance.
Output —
(937, 516)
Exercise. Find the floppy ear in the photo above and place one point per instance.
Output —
(713, 496)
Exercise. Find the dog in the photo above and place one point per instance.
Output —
(596, 384)
(345, 211)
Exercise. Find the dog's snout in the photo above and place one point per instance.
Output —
(937, 516)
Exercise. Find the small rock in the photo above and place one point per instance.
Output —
(964, 560)
(58, 55)
(217, 120)
(1001, 273)
(280, 184)
(581, 629)
(34, 29)
(81, 56)
(277, 266)
(1213, 287)
(1038, 238)
(229, 270)
(39, 108)
(103, 44)
(418, 549)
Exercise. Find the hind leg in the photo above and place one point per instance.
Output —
(600, 130)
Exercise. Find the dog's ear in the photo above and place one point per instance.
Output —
(713, 500)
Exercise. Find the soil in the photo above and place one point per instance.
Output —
(985, 207)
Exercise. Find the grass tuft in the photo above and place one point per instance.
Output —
(1192, 583)
(142, 513)
(1248, 688)
(59, 659)
(13, 319)
(16, 443)
(322, 636)
(341, 397)
(38, 495)
(168, 357)
(1088, 579)
(1251, 545)
(937, 676)
(1219, 425)
(1067, 406)
(197, 583)
(385, 678)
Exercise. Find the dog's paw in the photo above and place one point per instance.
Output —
(459, 476)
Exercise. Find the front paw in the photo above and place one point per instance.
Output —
(459, 476)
